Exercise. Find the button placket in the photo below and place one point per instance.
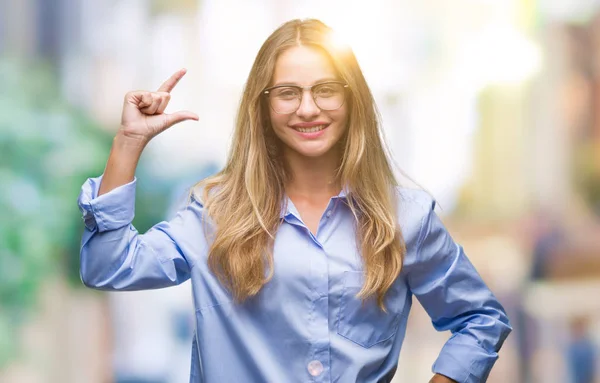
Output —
(318, 357)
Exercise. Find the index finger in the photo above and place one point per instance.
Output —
(168, 85)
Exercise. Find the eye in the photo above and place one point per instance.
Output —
(327, 90)
(286, 93)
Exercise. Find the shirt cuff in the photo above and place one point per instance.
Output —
(111, 210)
(464, 360)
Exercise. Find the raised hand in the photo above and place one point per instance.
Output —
(143, 114)
(143, 118)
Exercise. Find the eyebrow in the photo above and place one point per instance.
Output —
(325, 79)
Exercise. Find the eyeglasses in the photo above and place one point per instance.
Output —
(285, 99)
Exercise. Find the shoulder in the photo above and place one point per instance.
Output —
(196, 203)
(413, 203)
(414, 209)
(187, 208)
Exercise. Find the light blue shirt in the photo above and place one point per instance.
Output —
(305, 325)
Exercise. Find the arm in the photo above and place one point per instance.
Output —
(456, 299)
(142, 119)
(113, 254)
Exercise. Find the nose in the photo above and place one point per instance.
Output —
(308, 109)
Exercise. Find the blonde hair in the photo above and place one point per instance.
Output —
(244, 200)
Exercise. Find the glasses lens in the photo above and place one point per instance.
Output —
(329, 96)
(285, 99)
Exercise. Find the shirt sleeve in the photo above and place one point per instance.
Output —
(456, 298)
(114, 256)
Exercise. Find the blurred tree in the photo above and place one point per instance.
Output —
(47, 149)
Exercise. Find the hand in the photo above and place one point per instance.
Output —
(143, 114)
(437, 378)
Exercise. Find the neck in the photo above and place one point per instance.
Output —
(313, 176)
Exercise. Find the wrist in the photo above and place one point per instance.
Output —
(129, 143)
(437, 378)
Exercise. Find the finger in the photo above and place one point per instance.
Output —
(153, 108)
(168, 85)
(177, 117)
(141, 99)
(166, 97)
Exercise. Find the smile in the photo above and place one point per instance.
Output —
(312, 129)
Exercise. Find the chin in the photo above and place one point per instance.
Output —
(312, 153)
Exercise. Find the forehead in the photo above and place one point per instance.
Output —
(303, 65)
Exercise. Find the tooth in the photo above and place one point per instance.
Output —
(312, 129)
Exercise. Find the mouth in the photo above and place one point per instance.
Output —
(310, 129)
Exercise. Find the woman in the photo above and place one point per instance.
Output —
(303, 252)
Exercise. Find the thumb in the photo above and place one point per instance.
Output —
(177, 117)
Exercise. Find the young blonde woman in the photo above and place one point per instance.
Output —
(304, 253)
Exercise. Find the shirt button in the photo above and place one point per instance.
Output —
(315, 368)
(328, 214)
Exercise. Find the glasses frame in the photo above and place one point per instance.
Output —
(267, 93)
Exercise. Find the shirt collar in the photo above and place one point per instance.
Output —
(287, 206)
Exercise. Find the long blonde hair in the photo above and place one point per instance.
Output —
(244, 200)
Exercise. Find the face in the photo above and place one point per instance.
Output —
(309, 131)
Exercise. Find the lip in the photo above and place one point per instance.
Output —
(309, 125)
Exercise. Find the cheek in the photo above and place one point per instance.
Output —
(278, 121)
(342, 118)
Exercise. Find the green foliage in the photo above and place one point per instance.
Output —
(47, 150)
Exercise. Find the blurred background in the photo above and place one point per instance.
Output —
(492, 105)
